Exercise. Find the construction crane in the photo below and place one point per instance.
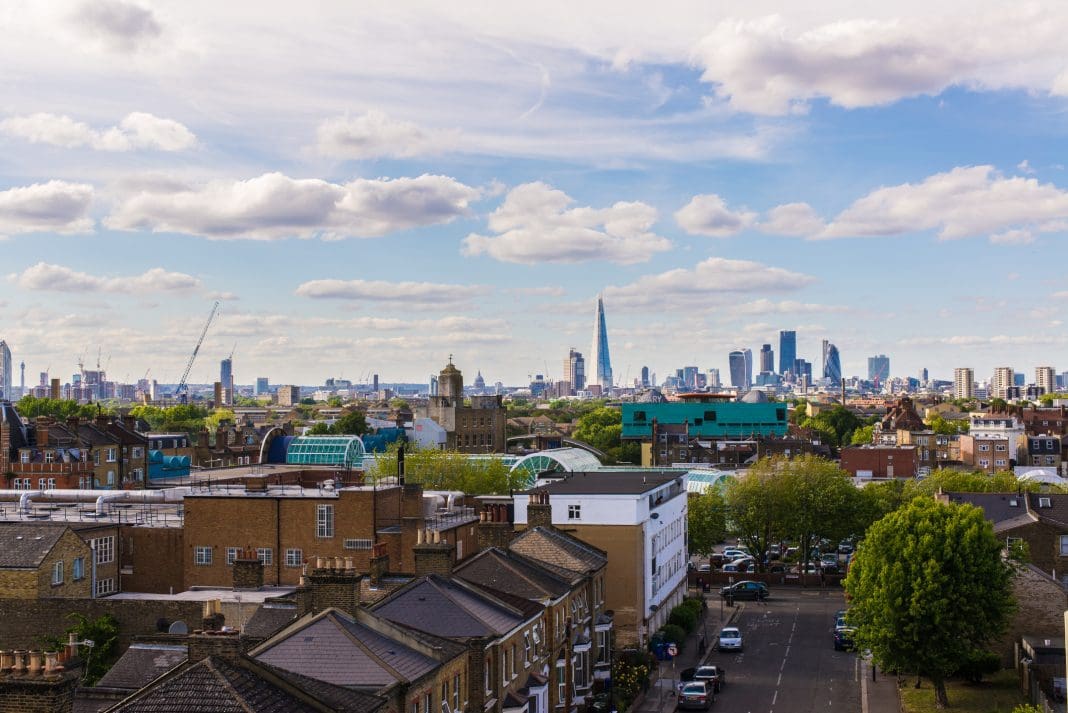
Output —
(182, 390)
(231, 357)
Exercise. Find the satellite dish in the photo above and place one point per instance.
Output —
(178, 627)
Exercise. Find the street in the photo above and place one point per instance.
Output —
(789, 664)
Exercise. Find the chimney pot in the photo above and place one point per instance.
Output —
(319, 563)
(35, 663)
(19, 661)
(6, 661)
(51, 663)
(349, 566)
(419, 536)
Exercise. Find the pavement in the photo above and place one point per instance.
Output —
(875, 696)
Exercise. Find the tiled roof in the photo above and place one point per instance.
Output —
(332, 647)
(242, 686)
(550, 546)
(511, 572)
(1057, 512)
(268, 619)
(142, 664)
(997, 507)
(26, 545)
(449, 608)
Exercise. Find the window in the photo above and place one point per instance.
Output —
(104, 548)
(231, 555)
(983, 463)
(357, 544)
(486, 675)
(1044, 502)
(138, 452)
(96, 457)
(51, 483)
(574, 512)
(294, 558)
(57, 573)
(984, 447)
(111, 455)
(324, 521)
(444, 697)
(526, 649)
(77, 569)
(202, 556)
(604, 651)
(25, 456)
(561, 686)
(415, 706)
(105, 586)
(1064, 545)
(426, 702)
(456, 692)
(265, 555)
(1001, 447)
(50, 456)
(513, 666)
(639, 415)
(41, 483)
(1000, 462)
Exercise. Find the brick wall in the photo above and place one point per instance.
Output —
(153, 558)
(67, 549)
(21, 694)
(1041, 603)
(1044, 542)
(433, 558)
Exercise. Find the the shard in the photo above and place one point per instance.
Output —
(601, 373)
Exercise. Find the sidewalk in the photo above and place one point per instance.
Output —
(880, 695)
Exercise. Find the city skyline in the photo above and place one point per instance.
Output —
(719, 173)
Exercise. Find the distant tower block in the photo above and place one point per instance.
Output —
(600, 359)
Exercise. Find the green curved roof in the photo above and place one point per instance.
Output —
(342, 451)
(556, 460)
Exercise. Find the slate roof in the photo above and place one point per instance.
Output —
(243, 686)
(511, 572)
(997, 507)
(552, 547)
(142, 664)
(1057, 513)
(631, 482)
(333, 647)
(25, 545)
(269, 619)
(449, 608)
(19, 433)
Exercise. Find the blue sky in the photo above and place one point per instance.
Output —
(372, 191)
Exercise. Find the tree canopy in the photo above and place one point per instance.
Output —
(30, 406)
(837, 424)
(706, 521)
(929, 589)
(448, 470)
(602, 428)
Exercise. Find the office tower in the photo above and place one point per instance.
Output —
(1002, 380)
(1045, 379)
(767, 359)
(748, 353)
(689, 376)
(802, 368)
(1019, 379)
(924, 376)
(787, 350)
(601, 361)
(879, 368)
(575, 370)
(5, 371)
(736, 362)
(832, 363)
(433, 386)
(374, 383)
(713, 379)
(963, 383)
(645, 376)
(262, 386)
(226, 378)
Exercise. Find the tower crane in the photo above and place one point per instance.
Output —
(182, 389)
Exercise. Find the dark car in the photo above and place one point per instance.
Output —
(745, 589)
(843, 638)
(713, 675)
(695, 695)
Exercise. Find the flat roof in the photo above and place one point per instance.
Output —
(612, 482)
(208, 594)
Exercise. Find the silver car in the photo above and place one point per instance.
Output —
(730, 639)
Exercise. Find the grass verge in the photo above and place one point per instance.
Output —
(998, 694)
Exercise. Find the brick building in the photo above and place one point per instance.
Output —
(987, 453)
(54, 560)
(472, 425)
(880, 461)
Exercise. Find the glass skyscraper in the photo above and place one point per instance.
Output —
(5, 371)
(787, 350)
(879, 368)
(601, 373)
(832, 363)
(738, 368)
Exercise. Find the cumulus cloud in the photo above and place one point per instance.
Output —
(56, 206)
(376, 135)
(765, 306)
(765, 66)
(137, 131)
(709, 282)
(395, 293)
(709, 215)
(274, 206)
(796, 219)
(536, 223)
(121, 26)
(963, 202)
(58, 278)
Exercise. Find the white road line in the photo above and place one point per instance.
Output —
(783, 665)
(779, 682)
(774, 698)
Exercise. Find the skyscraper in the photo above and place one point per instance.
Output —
(713, 378)
(1002, 380)
(1045, 379)
(767, 359)
(748, 354)
(601, 361)
(5, 371)
(879, 368)
(262, 386)
(787, 350)
(226, 378)
(963, 383)
(645, 376)
(832, 363)
(22, 379)
(736, 362)
(575, 370)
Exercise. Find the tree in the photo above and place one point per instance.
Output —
(956, 481)
(217, 416)
(862, 436)
(706, 520)
(354, 423)
(756, 507)
(602, 428)
(448, 470)
(929, 588)
(30, 406)
(941, 426)
(821, 501)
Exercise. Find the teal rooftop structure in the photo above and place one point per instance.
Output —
(706, 418)
(338, 451)
(556, 460)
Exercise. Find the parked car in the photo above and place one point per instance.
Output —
(732, 553)
(829, 558)
(745, 589)
(730, 639)
(845, 547)
(695, 696)
(704, 568)
(712, 675)
(717, 559)
(777, 568)
(843, 638)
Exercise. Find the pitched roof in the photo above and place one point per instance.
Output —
(552, 547)
(270, 618)
(998, 508)
(243, 686)
(142, 664)
(331, 646)
(1057, 512)
(508, 571)
(25, 545)
(449, 608)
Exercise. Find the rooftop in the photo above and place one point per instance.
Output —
(207, 594)
(609, 482)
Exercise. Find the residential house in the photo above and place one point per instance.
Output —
(880, 461)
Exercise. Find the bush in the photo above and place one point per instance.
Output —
(694, 603)
(684, 617)
(675, 634)
(978, 664)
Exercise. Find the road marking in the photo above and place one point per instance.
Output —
(774, 698)
(779, 682)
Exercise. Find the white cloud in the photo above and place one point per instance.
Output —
(710, 282)
(543, 291)
(57, 278)
(709, 215)
(797, 219)
(376, 135)
(395, 293)
(56, 206)
(137, 131)
(121, 26)
(765, 306)
(274, 206)
(1025, 167)
(1013, 237)
(536, 223)
(963, 202)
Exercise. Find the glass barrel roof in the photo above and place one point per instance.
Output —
(699, 481)
(342, 451)
(556, 460)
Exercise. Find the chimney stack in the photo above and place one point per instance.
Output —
(379, 565)
(539, 510)
(432, 556)
(495, 527)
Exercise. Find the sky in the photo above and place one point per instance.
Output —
(373, 187)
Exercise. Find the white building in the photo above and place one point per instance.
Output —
(996, 425)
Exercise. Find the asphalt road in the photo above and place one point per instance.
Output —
(789, 664)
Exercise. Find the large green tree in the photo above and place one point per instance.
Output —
(929, 588)
(757, 506)
(821, 500)
(354, 423)
(448, 470)
(706, 520)
(30, 406)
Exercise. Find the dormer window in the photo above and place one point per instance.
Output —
(1044, 503)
